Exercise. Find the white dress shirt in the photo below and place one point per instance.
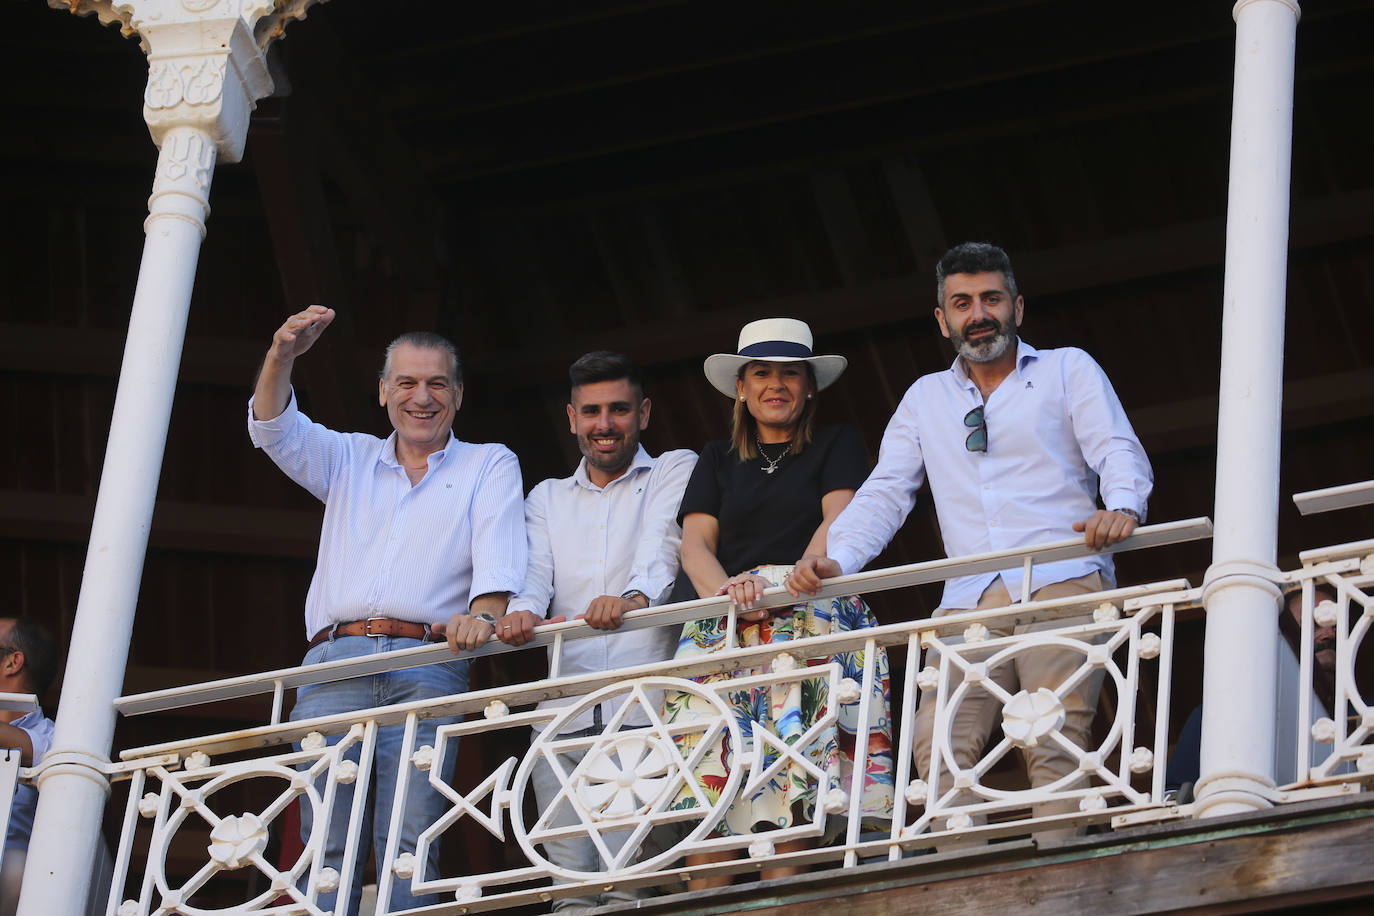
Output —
(586, 541)
(1054, 428)
(389, 549)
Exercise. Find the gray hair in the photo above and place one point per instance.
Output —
(973, 258)
(425, 340)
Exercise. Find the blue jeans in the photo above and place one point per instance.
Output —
(423, 805)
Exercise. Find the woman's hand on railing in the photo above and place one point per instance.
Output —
(745, 590)
(806, 576)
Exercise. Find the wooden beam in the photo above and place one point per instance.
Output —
(1122, 259)
(1071, 268)
(245, 530)
(49, 349)
(1307, 853)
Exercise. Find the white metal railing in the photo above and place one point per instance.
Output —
(622, 792)
(1331, 734)
(641, 770)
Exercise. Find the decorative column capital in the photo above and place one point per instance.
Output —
(207, 64)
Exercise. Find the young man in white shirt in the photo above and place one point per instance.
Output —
(1017, 444)
(602, 542)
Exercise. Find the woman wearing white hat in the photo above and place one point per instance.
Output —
(766, 497)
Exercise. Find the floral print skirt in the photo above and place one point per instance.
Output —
(789, 710)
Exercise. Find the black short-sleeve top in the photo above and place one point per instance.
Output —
(770, 518)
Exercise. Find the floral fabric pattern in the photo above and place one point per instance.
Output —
(788, 711)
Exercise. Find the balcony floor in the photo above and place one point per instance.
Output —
(1311, 854)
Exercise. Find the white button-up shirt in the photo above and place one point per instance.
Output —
(389, 549)
(586, 541)
(1054, 429)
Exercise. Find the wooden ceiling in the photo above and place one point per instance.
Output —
(647, 176)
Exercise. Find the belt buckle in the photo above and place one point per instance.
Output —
(367, 627)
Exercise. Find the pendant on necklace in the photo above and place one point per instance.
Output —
(772, 462)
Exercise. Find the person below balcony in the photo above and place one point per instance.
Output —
(1017, 443)
(28, 664)
(765, 496)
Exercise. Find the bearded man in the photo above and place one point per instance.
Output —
(1017, 443)
(602, 543)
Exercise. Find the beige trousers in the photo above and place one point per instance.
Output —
(1050, 667)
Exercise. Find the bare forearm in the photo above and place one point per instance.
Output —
(817, 544)
(703, 569)
(297, 335)
(493, 603)
(273, 390)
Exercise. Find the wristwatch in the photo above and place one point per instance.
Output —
(1130, 513)
(487, 619)
(634, 593)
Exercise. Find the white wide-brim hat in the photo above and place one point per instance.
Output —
(771, 340)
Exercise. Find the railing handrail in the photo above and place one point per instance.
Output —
(1346, 496)
(1130, 598)
(856, 583)
(19, 702)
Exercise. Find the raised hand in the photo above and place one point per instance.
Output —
(272, 391)
(299, 333)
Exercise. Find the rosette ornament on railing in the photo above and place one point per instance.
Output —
(971, 668)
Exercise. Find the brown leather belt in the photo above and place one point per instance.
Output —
(374, 626)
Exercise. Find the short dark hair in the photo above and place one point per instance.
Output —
(973, 258)
(425, 340)
(40, 653)
(605, 366)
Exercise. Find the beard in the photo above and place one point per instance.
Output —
(611, 462)
(989, 348)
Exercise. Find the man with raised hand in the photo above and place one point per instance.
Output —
(422, 533)
(1017, 444)
(602, 542)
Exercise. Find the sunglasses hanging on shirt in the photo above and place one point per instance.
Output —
(977, 440)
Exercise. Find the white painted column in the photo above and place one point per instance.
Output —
(72, 793)
(1239, 589)
(206, 71)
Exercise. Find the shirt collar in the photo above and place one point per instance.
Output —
(641, 461)
(388, 455)
(1024, 353)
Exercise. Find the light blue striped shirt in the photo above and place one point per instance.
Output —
(1056, 434)
(388, 549)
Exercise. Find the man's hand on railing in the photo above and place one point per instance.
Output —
(807, 574)
(607, 612)
(1105, 527)
(517, 627)
(464, 631)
